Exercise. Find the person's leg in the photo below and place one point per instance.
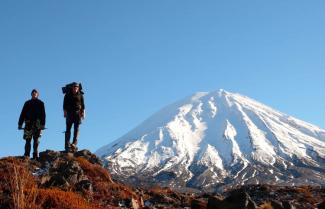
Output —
(36, 143)
(75, 132)
(68, 133)
(28, 134)
(27, 147)
(76, 123)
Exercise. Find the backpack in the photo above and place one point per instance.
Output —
(68, 88)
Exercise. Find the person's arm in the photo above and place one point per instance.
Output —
(82, 103)
(22, 116)
(43, 115)
(65, 105)
(83, 112)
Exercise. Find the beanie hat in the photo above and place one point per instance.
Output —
(34, 90)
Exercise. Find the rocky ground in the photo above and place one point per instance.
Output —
(78, 180)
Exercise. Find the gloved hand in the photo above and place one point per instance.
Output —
(20, 127)
(82, 114)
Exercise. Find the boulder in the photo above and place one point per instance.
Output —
(89, 156)
(84, 186)
(48, 156)
(321, 205)
(62, 171)
(214, 202)
(288, 205)
(198, 204)
(276, 205)
(238, 199)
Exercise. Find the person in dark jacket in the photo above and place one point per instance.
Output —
(74, 112)
(33, 115)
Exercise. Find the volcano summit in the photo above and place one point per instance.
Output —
(216, 140)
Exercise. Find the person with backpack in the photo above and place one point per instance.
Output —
(33, 115)
(74, 112)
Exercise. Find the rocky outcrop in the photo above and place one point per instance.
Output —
(198, 204)
(63, 170)
(214, 202)
(82, 172)
(276, 204)
(237, 199)
(59, 177)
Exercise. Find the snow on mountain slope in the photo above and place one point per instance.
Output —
(219, 139)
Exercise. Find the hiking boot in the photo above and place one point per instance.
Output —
(25, 157)
(75, 137)
(74, 148)
(35, 156)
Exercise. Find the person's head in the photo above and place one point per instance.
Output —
(34, 94)
(75, 88)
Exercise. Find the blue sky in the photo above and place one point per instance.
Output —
(135, 57)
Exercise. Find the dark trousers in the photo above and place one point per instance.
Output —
(31, 131)
(75, 120)
(35, 146)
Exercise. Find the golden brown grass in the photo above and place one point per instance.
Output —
(58, 199)
(19, 190)
(105, 189)
(20, 184)
(94, 171)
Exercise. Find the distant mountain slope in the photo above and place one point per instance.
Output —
(219, 139)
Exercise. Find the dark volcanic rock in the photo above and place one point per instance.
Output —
(89, 156)
(84, 185)
(321, 205)
(288, 205)
(64, 172)
(82, 172)
(276, 205)
(238, 199)
(214, 202)
(198, 204)
(48, 156)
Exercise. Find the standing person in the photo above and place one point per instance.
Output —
(74, 112)
(33, 115)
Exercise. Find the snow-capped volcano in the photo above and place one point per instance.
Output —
(219, 139)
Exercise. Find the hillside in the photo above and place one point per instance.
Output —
(70, 181)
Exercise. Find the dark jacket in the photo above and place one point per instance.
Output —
(33, 110)
(73, 102)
